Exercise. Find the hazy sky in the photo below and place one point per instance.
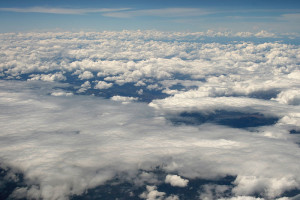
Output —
(166, 15)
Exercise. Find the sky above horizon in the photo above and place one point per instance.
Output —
(231, 15)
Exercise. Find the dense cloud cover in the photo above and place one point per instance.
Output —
(177, 102)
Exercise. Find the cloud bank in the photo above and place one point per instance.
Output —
(80, 109)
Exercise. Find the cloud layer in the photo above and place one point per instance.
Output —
(65, 140)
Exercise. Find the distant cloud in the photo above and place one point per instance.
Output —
(61, 10)
(290, 17)
(264, 34)
(164, 12)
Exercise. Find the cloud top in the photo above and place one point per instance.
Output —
(176, 181)
(82, 109)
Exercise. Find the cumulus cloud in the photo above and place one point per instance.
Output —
(86, 75)
(59, 137)
(176, 180)
(263, 34)
(48, 77)
(291, 97)
(61, 93)
(84, 87)
(103, 85)
(152, 194)
(67, 144)
(124, 99)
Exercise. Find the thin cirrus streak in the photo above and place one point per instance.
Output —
(62, 10)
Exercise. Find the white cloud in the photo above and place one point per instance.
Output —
(176, 180)
(48, 77)
(86, 75)
(264, 34)
(124, 99)
(152, 194)
(61, 93)
(103, 85)
(51, 139)
(291, 97)
(242, 198)
(66, 145)
(244, 34)
(84, 87)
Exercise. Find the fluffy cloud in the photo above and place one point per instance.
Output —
(61, 93)
(152, 194)
(85, 86)
(86, 75)
(176, 180)
(103, 85)
(51, 139)
(139, 57)
(48, 77)
(124, 99)
(291, 97)
(67, 144)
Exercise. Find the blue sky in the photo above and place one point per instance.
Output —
(167, 15)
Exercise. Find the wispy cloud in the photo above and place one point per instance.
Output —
(165, 12)
(291, 17)
(62, 10)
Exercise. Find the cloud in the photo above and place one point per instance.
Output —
(176, 180)
(211, 191)
(103, 85)
(84, 87)
(294, 17)
(291, 97)
(86, 75)
(242, 198)
(57, 143)
(61, 93)
(164, 12)
(124, 99)
(263, 34)
(152, 194)
(48, 77)
(65, 145)
(52, 10)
